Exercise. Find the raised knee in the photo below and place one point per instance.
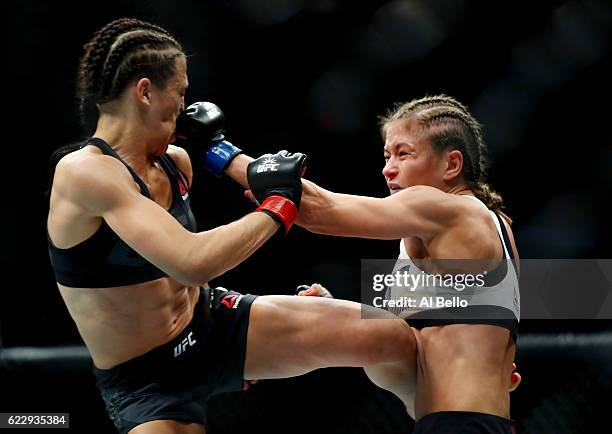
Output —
(392, 341)
(400, 341)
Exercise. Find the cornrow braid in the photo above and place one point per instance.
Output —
(98, 81)
(131, 68)
(405, 109)
(100, 44)
(448, 124)
(118, 59)
(120, 51)
(432, 101)
(401, 110)
(448, 118)
(96, 51)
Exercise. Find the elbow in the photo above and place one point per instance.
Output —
(203, 270)
(189, 278)
(193, 279)
(192, 271)
(196, 275)
(192, 268)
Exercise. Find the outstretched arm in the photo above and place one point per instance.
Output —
(92, 187)
(414, 211)
(419, 210)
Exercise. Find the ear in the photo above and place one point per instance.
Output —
(454, 164)
(142, 91)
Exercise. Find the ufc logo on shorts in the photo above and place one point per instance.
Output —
(182, 347)
(269, 164)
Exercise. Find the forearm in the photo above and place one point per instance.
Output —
(238, 169)
(347, 215)
(321, 211)
(216, 251)
(325, 212)
(315, 205)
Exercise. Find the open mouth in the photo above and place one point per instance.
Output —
(394, 188)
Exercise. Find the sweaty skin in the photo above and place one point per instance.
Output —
(287, 336)
(120, 323)
(318, 290)
(461, 367)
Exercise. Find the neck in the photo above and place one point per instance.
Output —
(127, 138)
(460, 189)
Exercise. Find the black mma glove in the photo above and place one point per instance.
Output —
(202, 125)
(276, 183)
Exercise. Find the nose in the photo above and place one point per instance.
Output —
(390, 169)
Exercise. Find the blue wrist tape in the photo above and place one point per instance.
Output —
(218, 157)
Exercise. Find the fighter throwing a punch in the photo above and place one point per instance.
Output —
(440, 208)
(132, 269)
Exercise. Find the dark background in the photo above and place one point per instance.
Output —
(313, 76)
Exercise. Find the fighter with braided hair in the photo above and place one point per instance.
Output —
(440, 207)
(133, 270)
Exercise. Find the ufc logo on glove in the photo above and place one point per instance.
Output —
(269, 164)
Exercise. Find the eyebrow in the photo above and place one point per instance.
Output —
(397, 145)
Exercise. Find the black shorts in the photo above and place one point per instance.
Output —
(463, 422)
(174, 380)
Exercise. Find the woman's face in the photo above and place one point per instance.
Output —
(409, 159)
(169, 103)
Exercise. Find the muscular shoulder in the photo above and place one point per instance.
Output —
(434, 212)
(477, 229)
(432, 203)
(182, 160)
(91, 180)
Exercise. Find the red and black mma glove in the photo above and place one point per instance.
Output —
(276, 183)
(201, 125)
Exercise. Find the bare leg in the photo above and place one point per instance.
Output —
(290, 336)
(396, 378)
(168, 427)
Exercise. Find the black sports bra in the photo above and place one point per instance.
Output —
(104, 260)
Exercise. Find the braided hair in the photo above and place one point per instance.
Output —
(122, 50)
(448, 124)
(119, 52)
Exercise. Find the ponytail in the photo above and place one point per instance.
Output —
(490, 198)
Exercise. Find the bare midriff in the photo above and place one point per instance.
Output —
(464, 367)
(123, 322)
